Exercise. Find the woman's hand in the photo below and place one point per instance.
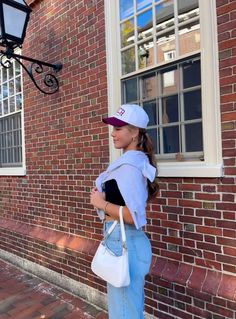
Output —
(97, 199)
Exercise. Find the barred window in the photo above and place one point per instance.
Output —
(11, 115)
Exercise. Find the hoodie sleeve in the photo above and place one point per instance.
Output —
(133, 187)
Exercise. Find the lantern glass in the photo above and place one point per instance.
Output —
(14, 20)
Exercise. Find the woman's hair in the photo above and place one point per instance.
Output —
(145, 145)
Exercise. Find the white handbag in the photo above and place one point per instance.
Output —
(111, 268)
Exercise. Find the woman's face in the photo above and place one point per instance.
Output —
(125, 137)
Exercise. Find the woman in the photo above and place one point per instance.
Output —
(129, 181)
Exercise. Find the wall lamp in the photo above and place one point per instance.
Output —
(14, 18)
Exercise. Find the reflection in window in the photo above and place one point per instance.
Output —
(127, 32)
(171, 139)
(170, 81)
(164, 15)
(172, 98)
(192, 105)
(149, 86)
(165, 43)
(189, 37)
(191, 73)
(128, 61)
(187, 9)
(144, 25)
(131, 90)
(145, 54)
(153, 133)
(173, 31)
(170, 109)
(126, 9)
(151, 109)
(192, 131)
(142, 4)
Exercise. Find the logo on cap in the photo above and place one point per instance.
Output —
(120, 111)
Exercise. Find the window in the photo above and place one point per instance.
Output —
(172, 98)
(165, 53)
(11, 131)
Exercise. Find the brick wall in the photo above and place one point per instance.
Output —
(46, 217)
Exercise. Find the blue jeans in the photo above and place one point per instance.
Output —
(128, 302)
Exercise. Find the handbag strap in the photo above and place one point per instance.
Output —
(110, 230)
(122, 226)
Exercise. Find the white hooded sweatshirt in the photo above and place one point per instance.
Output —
(131, 171)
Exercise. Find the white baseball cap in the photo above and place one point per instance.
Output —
(129, 114)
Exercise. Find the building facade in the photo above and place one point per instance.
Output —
(175, 58)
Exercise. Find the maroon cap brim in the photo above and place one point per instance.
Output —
(114, 121)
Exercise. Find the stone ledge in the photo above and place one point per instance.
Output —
(201, 279)
(51, 236)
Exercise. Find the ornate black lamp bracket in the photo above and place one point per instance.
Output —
(48, 83)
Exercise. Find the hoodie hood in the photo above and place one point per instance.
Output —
(137, 159)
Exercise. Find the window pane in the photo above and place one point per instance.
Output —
(18, 84)
(164, 15)
(191, 74)
(189, 37)
(5, 90)
(144, 24)
(141, 4)
(151, 109)
(170, 81)
(165, 45)
(17, 68)
(11, 71)
(171, 139)
(149, 86)
(126, 9)
(153, 135)
(131, 90)
(170, 112)
(11, 88)
(146, 54)
(18, 102)
(5, 106)
(4, 74)
(127, 33)
(12, 104)
(192, 105)
(187, 9)
(193, 136)
(128, 61)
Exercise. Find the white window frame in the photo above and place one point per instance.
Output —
(212, 166)
(21, 170)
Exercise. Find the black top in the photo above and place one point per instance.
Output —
(113, 194)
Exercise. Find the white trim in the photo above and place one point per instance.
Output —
(189, 169)
(212, 166)
(113, 64)
(12, 171)
(18, 171)
(210, 83)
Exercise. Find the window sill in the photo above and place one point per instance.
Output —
(190, 169)
(13, 171)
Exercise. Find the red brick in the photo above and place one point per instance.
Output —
(212, 282)
(197, 278)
